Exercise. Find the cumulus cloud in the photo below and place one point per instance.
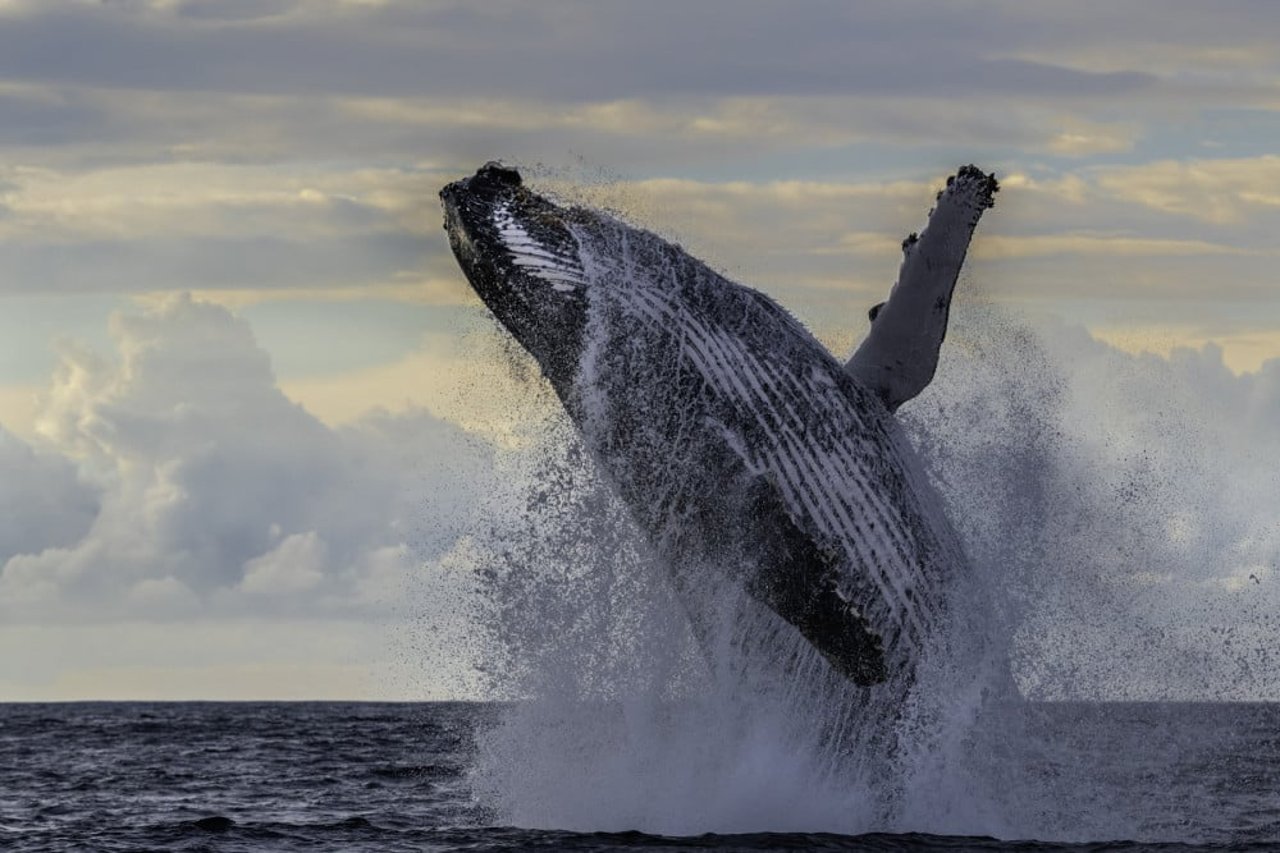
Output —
(296, 565)
(43, 503)
(183, 478)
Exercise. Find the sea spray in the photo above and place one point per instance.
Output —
(1121, 509)
(1114, 507)
(616, 729)
(1065, 492)
(630, 718)
(655, 692)
(1096, 559)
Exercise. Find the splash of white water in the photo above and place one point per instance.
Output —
(1123, 531)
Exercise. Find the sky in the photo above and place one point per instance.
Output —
(250, 411)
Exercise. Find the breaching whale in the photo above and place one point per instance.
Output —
(740, 445)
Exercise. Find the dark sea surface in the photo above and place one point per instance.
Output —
(343, 776)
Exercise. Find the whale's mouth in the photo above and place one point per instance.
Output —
(468, 208)
(520, 254)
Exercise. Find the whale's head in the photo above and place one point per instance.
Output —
(519, 252)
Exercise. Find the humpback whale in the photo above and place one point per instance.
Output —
(741, 446)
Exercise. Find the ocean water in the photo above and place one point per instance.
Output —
(390, 777)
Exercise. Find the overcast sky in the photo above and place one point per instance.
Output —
(249, 409)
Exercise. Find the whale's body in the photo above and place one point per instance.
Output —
(744, 450)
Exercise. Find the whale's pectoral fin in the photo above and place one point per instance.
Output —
(899, 356)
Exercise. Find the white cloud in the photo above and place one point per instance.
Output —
(1223, 191)
(188, 199)
(166, 595)
(43, 504)
(477, 378)
(296, 565)
(18, 410)
(212, 490)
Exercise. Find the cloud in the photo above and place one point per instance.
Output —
(1190, 43)
(34, 117)
(472, 375)
(550, 49)
(1224, 191)
(658, 88)
(662, 88)
(202, 659)
(18, 403)
(826, 248)
(649, 134)
(145, 228)
(214, 200)
(208, 491)
(1244, 350)
(1075, 245)
(45, 504)
(296, 565)
(255, 263)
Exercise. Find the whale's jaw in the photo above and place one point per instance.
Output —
(521, 258)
